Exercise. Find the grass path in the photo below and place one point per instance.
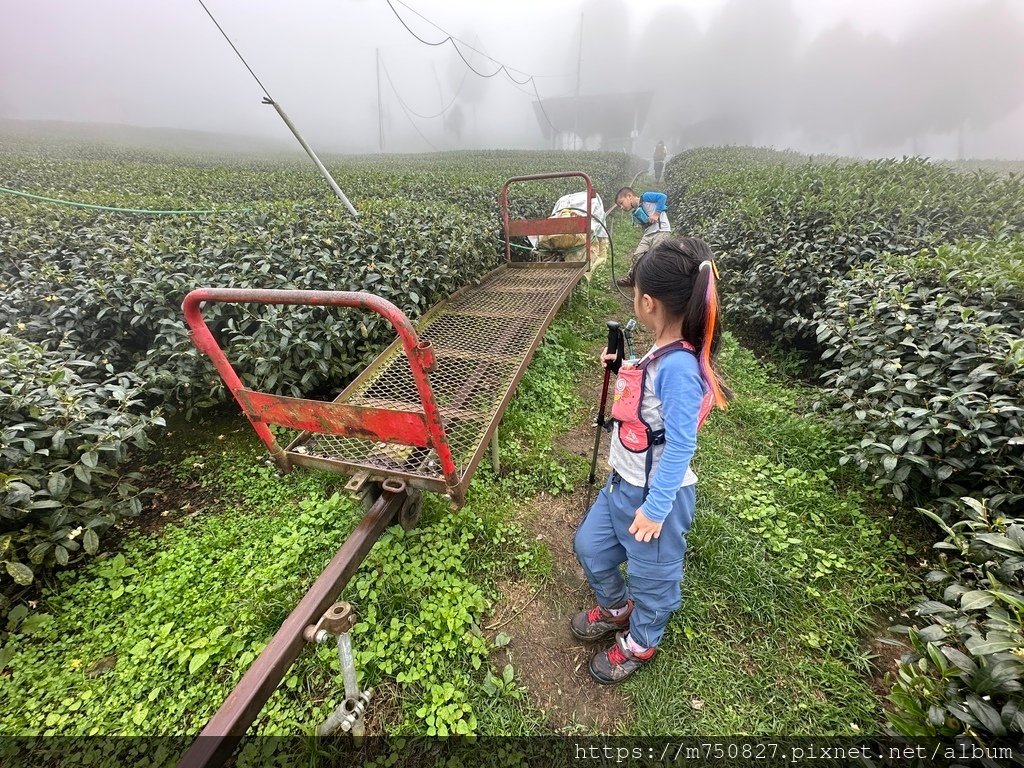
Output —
(793, 565)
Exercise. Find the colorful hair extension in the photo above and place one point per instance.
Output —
(707, 369)
(667, 273)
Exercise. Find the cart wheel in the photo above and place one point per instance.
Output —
(409, 516)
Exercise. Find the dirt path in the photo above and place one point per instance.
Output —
(548, 660)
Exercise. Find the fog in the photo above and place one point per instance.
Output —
(943, 78)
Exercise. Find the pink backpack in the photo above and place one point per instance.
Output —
(635, 434)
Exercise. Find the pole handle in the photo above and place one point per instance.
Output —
(628, 333)
(614, 346)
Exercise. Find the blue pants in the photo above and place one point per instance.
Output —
(654, 569)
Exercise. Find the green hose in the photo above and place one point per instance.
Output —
(611, 251)
(515, 245)
(108, 208)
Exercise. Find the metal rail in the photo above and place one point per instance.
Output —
(485, 337)
(226, 728)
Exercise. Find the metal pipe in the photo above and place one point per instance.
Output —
(348, 672)
(421, 355)
(503, 204)
(225, 729)
(312, 156)
(348, 665)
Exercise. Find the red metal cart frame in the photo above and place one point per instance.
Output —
(569, 225)
(504, 296)
(403, 427)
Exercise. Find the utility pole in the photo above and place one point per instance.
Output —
(380, 112)
(579, 69)
(312, 156)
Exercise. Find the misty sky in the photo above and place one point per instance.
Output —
(872, 77)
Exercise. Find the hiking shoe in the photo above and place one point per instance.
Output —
(626, 281)
(598, 623)
(618, 662)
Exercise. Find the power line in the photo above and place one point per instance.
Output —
(457, 40)
(265, 91)
(405, 109)
(540, 103)
(496, 72)
(450, 104)
(409, 29)
(287, 121)
(454, 41)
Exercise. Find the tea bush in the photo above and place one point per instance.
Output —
(65, 426)
(926, 355)
(118, 299)
(964, 676)
(785, 230)
(106, 289)
(907, 279)
(905, 276)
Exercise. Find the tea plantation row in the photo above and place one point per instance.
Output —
(905, 280)
(93, 347)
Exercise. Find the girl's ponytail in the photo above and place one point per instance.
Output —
(702, 316)
(681, 274)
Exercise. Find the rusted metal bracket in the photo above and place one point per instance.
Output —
(339, 618)
(356, 482)
(338, 622)
(225, 729)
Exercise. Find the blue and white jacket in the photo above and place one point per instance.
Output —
(656, 202)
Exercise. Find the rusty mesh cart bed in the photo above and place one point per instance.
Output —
(424, 411)
(482, 339)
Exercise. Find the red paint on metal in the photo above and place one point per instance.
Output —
(519, 227)
(562, 225)
(389, 426)
(427, 357)
(425, 360)
(420, 354)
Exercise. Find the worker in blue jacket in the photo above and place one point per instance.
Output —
(650, 211)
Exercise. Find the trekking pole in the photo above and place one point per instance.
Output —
(628, 333)
(614, 348)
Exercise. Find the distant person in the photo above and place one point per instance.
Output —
(649, 211)
(660, 153)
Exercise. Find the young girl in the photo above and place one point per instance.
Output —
(643, 513)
